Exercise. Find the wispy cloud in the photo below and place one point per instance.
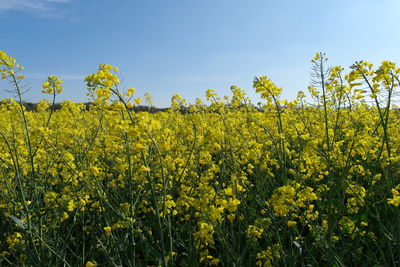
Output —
(40, 8)
(194, 79)
(62, 76)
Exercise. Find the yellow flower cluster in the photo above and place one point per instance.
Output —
(52, 85)
(395, 200)
(103, 81)
(9, 67)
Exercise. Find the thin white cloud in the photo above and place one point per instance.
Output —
(40, 8)
(62, 76)
(194, 79)
(72, 77)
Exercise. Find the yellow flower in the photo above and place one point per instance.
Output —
(14, 239)
(254, 233)
(137, 101)
(52, 85)
(71, 205)
(90, 264)
(64, 216)
(144, 169)
(138, 147)
(130, 92)
(107, 230)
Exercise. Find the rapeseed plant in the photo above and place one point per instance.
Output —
(288, 183)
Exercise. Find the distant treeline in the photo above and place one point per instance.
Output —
(33, 107)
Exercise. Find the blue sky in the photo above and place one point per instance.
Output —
(187, 46)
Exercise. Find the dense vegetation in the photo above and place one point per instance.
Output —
(224, 184)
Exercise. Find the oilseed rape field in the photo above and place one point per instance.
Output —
(307, 182)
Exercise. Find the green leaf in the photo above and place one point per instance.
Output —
(18, 222)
